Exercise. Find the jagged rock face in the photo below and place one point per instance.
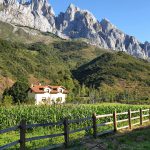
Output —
(113, 37)
(74, 23)
(117, 40)
(38, 14)
(77, 23)
(147, 48)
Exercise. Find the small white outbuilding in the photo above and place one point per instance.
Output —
(48, 94)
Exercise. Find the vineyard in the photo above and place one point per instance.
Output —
(45, 114)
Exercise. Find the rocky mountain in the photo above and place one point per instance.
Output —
(77, 23)
(74, 23)
(35, 14)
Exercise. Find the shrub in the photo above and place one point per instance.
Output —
(7, 101)
(19, 92)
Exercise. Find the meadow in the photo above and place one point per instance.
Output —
(11, 116)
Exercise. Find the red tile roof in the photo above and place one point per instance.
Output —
(56, 87)
(40, 89)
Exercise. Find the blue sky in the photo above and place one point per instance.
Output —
(131, 16)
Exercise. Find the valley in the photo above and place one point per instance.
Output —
(102, 74)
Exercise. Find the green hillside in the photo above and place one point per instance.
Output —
(35, 62)
(87, 71)
(25, 34)
(46, 58)
(117, 72)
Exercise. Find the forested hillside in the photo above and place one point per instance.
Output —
(118, 73)
(87, 71)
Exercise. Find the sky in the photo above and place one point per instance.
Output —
(130, 16)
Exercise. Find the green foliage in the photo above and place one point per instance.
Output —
(7, 101)
(76, 52)
(53, 64)
(45, 114)
(39, 46)
(43, 62)
(35, 59)
(117, 71)
(110, 66)
(19, 92)
(136, 139)
(72, 45)
(58, 100)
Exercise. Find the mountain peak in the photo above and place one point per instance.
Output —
(105, 20)
(72, 8)
(74, 23)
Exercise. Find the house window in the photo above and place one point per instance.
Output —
(60, 90)
(47, 90)
(44, 99)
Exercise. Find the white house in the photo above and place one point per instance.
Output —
(48, 94)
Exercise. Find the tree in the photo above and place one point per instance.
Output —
(83, 90)
(19, 92)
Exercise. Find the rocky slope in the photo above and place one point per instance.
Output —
(74, 23)
(77, 23)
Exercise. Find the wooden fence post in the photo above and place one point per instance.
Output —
(66, 132)
(115, 120)
(94, 125)
(129, 118)
(22, 134)
(141, 119)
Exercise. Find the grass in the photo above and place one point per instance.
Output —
(136, 139)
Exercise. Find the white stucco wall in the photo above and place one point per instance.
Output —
(49, 97)
(39, 97)
(58, 95)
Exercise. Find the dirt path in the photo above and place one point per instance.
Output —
(137, 138)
